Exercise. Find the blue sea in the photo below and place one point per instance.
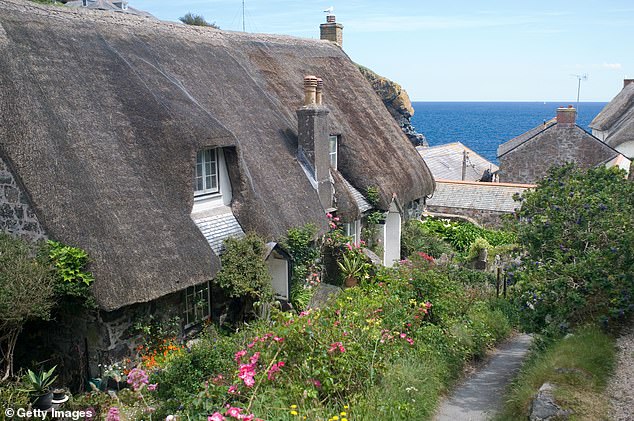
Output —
(482, 126)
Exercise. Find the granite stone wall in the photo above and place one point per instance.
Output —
(531, 161)
(16, 215)
(486, 218)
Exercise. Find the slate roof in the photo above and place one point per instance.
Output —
(218, 225)
(360, 200)
(508, 146)
(445, 162)
(497, 197)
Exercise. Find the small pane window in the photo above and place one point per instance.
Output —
(352, 231)
(197, 303)
(206, 178)
(332, 150)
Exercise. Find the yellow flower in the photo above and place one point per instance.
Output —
(294, 413)
(345, 407)
(343, 414)
(293, 406)
(335, 418)
(344, 419)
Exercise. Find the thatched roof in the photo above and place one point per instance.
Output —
(617, 118)
(101, 116)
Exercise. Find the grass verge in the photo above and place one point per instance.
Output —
(578, 365)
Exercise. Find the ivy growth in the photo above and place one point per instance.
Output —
(73, 280)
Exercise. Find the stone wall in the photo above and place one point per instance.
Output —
(486, 218)
(16, 215)
(531, 160)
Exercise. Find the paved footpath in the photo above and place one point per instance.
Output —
(482, 394)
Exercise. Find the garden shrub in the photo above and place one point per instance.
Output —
(461, 235)
(322, 361)
(577, 228)
(244, 273)
(415, 238)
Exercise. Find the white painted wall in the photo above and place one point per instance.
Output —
(224, 196)
(278, 269)
(392, 242)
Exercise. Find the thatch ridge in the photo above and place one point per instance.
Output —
(113, 108)
(621, 104)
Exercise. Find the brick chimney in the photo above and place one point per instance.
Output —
(566, 117)
(312, 121)
(627, 82)
(331, 30)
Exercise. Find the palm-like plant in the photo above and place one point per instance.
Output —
(39, 383)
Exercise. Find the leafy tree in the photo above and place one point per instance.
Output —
(577, 228)
(196, 20)
(26, 293)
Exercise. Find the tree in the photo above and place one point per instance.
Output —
(577, 228)
(26, 293)
(196, 20)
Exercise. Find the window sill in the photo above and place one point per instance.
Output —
(198, 197)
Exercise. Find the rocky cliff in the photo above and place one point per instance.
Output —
(397, 102)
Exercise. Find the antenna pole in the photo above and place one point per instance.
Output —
(578, 90)
(243, 26)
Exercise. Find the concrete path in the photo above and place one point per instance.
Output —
(482, 394)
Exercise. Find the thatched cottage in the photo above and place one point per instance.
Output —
(527, 157)
(615, 123)
(147, 143)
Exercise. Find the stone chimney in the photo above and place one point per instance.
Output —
(312, 120)
(627, 82)
(331, 30)
(566, 117)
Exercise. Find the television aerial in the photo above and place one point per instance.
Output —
(583, 77)
(330, 10)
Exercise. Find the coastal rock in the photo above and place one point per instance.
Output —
(323, 294)
(397, 102)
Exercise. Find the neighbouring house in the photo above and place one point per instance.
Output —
(614, 125)
(455, 161)
(148, 143)
(527, 158)
(482, 203)
(117, 6)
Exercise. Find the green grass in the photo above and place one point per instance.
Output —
(578, 365)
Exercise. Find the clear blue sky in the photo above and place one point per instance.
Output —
(461, 50)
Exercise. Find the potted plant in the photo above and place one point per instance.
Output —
(38, 385)
(351, 264)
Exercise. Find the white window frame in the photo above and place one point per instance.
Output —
(332, 152)
(204, 176)
(352, 229)
(194, 296)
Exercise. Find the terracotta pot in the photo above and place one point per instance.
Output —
(351, 281)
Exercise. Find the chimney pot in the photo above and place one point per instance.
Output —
(627, 82)
(331, 19)
(319, 91)
(566, 116)
(331, 30)
(310, 90)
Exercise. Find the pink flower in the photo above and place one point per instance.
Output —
(274, 369)
(332, 225)
(329, 215)
(240, 354)
(152, 387)
(403, 335)
(113, 414)
(410, 340)
(137, 378)
(278, 339)
(349, 246)
(217, 416)
(233, 389)
(247, 374)
(336, 218)
(233, 412)
(254, 359)
(336, 346)
(249, 417)
(316, 383)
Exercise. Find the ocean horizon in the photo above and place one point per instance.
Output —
(483, 126)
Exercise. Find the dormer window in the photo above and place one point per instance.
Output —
(206, 180)
(333, 142)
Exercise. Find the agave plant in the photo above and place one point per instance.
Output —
(351, 264)
(40, 383)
